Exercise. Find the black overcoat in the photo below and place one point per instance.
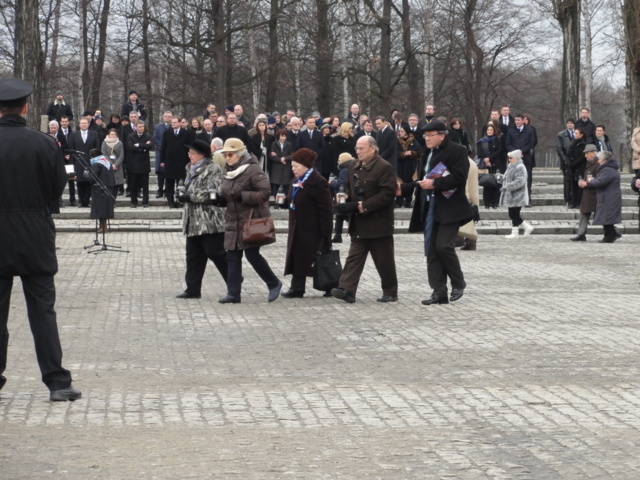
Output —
(75, 143)
(309, 224)
(139, 160)
(33, 176)
(175, 152)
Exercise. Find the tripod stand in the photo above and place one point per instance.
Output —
(103, 190)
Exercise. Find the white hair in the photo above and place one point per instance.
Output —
(53, 122)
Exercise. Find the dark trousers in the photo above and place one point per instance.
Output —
(84, 193)
(200, 249)
(160, 176)
(442, 261)
(136, 182)
(567, 179)
(259, 264)
(72, 191)
(529, 166)
(170, 190)
(40, 296)
(298, 283)
(382, 253)
(514, 216)
(576, 192)
(490, 196)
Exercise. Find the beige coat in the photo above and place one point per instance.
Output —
(635, 147)
(468, 230)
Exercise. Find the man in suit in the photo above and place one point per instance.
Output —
(429, 115)
(565, 138)
(522, 138)
(207, 134)
(387, 142)
(27, 241)
(506, 118)
(83, 140)
(139, 145)
(311, 138)
(439, 212)
(354, 117)
(366, 130)
(63, 138)
(158, 133)
(413, 120)
(175, 157)
(294, 130)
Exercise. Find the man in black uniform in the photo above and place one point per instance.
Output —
(33, 175)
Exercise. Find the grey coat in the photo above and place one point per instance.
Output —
(199, 216)
(118, 153)
(514, 186)
(608, 194)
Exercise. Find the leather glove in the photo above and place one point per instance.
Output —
(184, 198)
(346, 208)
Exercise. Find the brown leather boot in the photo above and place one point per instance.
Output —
(103, 226)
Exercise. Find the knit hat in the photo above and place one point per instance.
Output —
(87, 113)
(271, 120)
(59, 92)
(517, 154)
(305, 157)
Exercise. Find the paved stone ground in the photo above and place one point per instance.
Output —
(533, 374)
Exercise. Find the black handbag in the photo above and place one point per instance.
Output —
(487, 180)
(326, 268)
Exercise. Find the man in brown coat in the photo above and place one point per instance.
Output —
(371, 186)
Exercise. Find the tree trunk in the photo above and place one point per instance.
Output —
(587, 69)
(324, 60)
(219, 53)
(147, 63)
(413, 73)
(29, 58)
(631, 18)
(93, 101)
(344, 59)
(385, 55)
(427, 57)
(274, 57)
(567, 13)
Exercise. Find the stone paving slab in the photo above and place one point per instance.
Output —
(533, 374)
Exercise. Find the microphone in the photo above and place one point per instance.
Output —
(69, 150)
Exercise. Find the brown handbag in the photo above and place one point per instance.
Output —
(258, 230)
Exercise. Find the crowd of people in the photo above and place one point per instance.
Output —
(265, 149)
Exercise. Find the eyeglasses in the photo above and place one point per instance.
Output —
(227, 155)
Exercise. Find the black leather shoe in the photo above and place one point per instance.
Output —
(607, 240)
(456, 294)
(274, 293)
(387, 299)
(292, 294)
(618, 234)
(159, 195)
(342, 294)
(579, 238)
(188, 295)
(327, 294)
(64, 395)
(436, 300)
(229, 299)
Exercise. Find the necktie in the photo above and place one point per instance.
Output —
(505, 120)
(311, 134)
(84, 136)
(175, 132)
(428, 165)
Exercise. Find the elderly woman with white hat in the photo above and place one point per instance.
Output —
(514, 193)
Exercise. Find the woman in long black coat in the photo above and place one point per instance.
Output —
(577, 163)
(489, 150)
(102, 199)
(310, 220)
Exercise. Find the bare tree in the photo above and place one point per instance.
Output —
(567, 13)
(29, 58)
(631, 19)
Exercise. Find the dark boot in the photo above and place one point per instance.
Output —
(459, 241)
(469, 244)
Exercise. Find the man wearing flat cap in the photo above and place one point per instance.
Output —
(33, 177)
(441, 207)
(59, 108)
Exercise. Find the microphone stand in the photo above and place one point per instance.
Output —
(103, 247)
